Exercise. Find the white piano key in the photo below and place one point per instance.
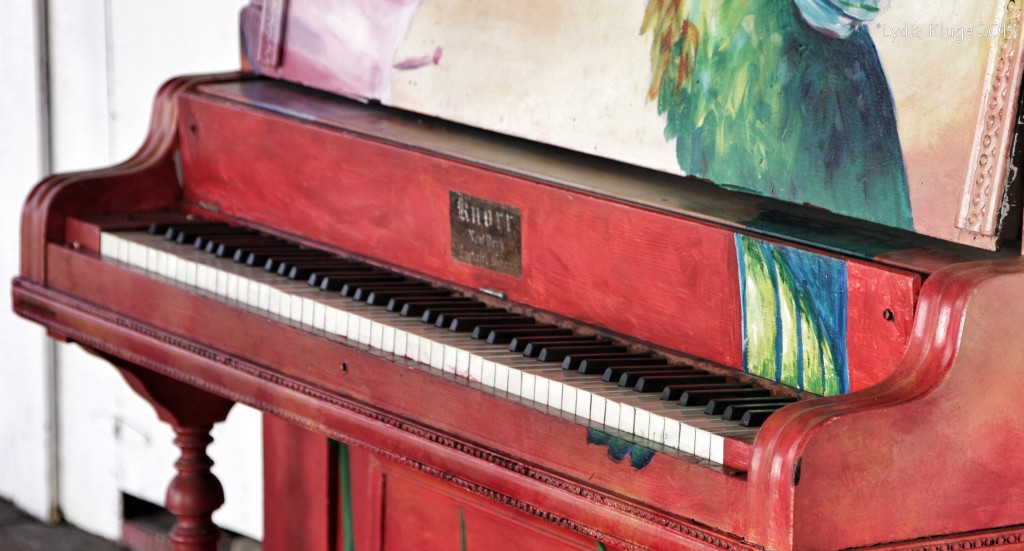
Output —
(656, 430)
(295, 308)
(717, 449)
(412, 346)
(401, 342)
(191, 273)
(151, 260)
(377, 336)
(555, 394)
(569, 399)
(274, 300)
(109, 243)
(319, 316)
(515, 382)
(527, 385)
(583, 403)
(500, 376)
(487, 373)
(449, 357)
(263, 301)
(597, 408)
(425, 349)
(171, 270)
(222, 284)
(702, 444)
(331, 320)
(687, 436)
(541, 389)
(642, 423)
(122, 251)
(352, 328)
(627, 417)
(672, 429)
(232, 287)
(137, 255)
(475, 368)
(387, 338)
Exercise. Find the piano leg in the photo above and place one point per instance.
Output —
(195, 493)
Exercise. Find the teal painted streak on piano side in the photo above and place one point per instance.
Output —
(345, 495)
(758, 100)
(619, 449)
(462, 528)
(794, 316)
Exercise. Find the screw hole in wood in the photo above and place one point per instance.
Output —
(888, 315)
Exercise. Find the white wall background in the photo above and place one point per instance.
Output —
(106, 60)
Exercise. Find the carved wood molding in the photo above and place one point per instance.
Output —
(688, 530)
(986, 179)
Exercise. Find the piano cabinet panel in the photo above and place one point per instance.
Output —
(674, 283)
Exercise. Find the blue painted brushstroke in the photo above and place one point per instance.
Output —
(818, 285)
(619, 449)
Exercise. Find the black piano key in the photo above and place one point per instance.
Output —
(309, 265)
(657, 383)
(158, 228)
(338, 281)
(272, 262)
(430, 314)
(207, 241)
(519, 344)
(503, 336)
(303, 271)
(464, 324)
(558, 353)
(242, 253)
(702, 397)
(363, 286)
(482, 331)
(598, 364)
(381, 297)
(756, 417)
(675, 392)
(213, 243)
(630, 377)
(416, 308)
(718, 405)
(613, 374)
(363, 291)
(316, 279)
(445, 318)
(185, 233)
(735, 412)
(586, 364)
(235, 250)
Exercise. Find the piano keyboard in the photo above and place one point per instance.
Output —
(605, 383)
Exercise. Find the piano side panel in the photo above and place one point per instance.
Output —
(945, 440)
(674, 282)
(540, 443)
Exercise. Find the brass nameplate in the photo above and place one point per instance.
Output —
(486, 234)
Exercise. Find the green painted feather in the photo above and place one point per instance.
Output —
(758, 100)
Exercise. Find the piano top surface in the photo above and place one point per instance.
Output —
(689, 197)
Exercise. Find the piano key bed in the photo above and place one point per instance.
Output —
(608, 384)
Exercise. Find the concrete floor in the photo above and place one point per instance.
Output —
(19, 532)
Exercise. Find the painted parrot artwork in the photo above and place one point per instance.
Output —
(788, 99)
(784, 98)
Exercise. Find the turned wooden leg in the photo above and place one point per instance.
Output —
(195, 493)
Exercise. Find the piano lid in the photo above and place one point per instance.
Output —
(902, 115)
